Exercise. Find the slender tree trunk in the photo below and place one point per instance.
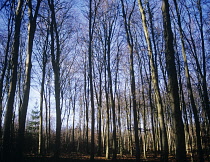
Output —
(44, 63)
(154, 75)
(73, 131)
(40, 146)
(27, 83)
(99, 113)
(173, 84)
(11, 96)
(132, 77)
(204, 84)
(86, 95)
(5, 66)
(190, 92)
(91, 82)
(112, 99)
(107, 115)
(55, 57)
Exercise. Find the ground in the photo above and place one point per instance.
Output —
(77, 157)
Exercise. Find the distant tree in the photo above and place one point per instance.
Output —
(33, 123)
(32, 130)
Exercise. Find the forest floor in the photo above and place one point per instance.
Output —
(77, 157)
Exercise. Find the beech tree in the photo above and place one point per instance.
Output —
(24, 106)
(10, 103)
(158, 100)
(173, 84)
(132, 76)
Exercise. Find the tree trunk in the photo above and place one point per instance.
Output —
(27, 83)
(204, 84)
(107, 115)
(132, 76)
(189, 87)
(173, 84)
(5, 66)
(55, 57)
(112, 97)
(44, 64)
(99, 113)
(91, 82)
(154, 75)
(11, 96)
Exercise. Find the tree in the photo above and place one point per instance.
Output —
(55, 58)
(33, 124)
(189, 87)
(91, 80)
(92, 18)
(27, 83)
(5, 62)
(43, 64)
(204, 84)
(132, 76)
(158, 100)
(10, 103)
(173, 84)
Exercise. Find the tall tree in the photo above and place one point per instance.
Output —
(189, 87)
(154, 76)
(27, 83)
(204, 84)
(10, 25)
(173, 84)
(90, 53)
(43, 64)
(10, 103)
(55, 58)
(127, 24)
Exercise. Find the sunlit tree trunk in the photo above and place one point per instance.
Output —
(44, 64)
(107, 117)
(86, 95)
(154, 76)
